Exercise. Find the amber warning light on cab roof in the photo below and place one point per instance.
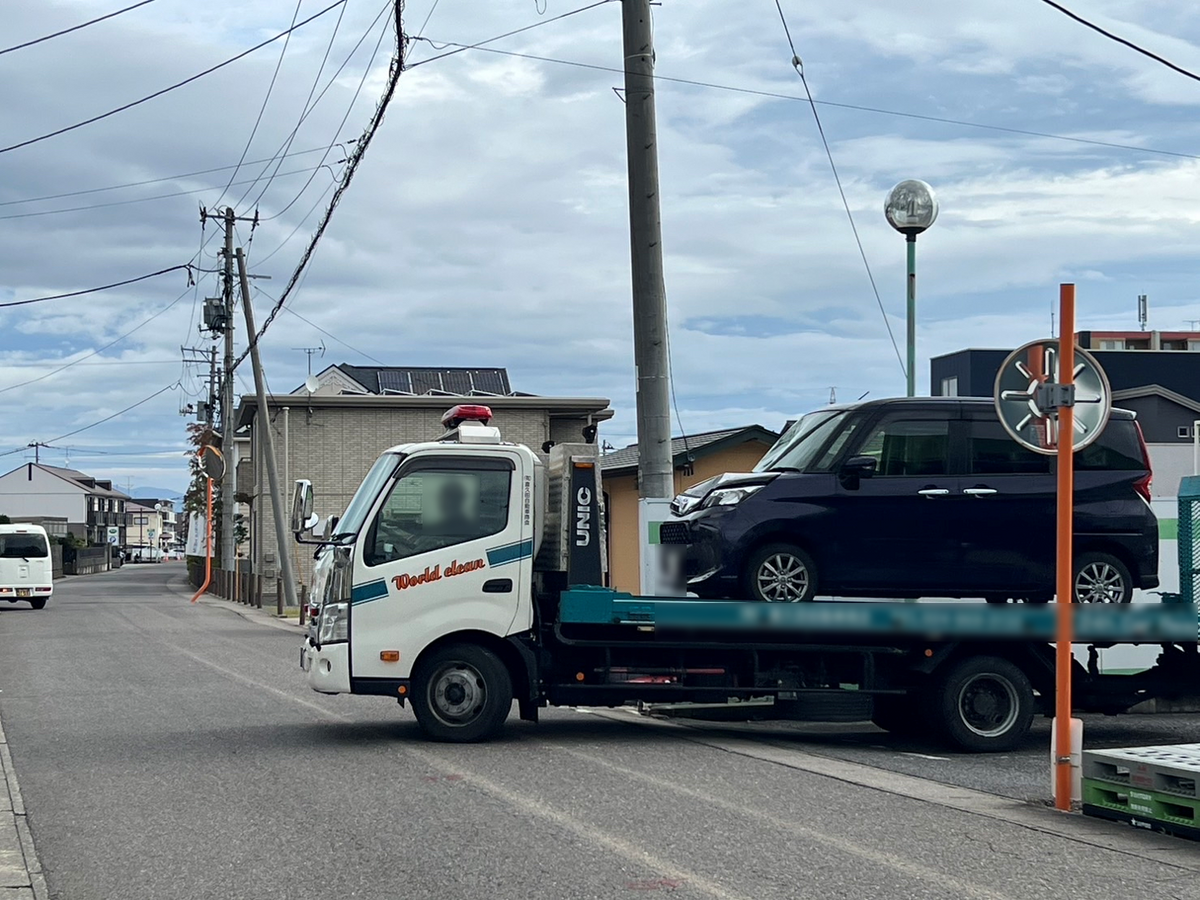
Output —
(466, 412)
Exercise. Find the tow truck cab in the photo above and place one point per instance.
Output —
(437, 550)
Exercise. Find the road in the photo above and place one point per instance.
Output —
(171, 750)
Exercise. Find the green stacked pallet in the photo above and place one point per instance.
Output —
(1149, 787)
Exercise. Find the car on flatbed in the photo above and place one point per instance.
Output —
(919, 497)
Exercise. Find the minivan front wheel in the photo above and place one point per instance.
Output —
(1101, 578)
(781, 573)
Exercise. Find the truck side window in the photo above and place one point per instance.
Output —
(909, 447)
(433, 508)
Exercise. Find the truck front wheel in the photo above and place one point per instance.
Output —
(462, 693)
(983, 704)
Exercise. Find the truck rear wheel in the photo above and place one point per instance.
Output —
(983, 704)
(462, 693)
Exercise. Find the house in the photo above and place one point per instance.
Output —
(332, 439)
(1157, 375)
(144, 528)
(90, 506)
(166, 524)
(697, 458)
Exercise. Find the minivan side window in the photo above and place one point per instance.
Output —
(909, 447)
(434, 508)
(1118, 448)
(991, 451)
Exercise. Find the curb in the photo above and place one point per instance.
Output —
(249, 613)
(16, 841)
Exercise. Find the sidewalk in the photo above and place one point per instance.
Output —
(262, 616)
(20, 872)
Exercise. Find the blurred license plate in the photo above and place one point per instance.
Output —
(22, 592)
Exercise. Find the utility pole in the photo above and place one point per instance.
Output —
(655, 475)
(228, 478)
(278, 513)
(37, 451)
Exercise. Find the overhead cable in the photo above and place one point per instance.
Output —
(48, 37)
(103, 287)
(167, 90)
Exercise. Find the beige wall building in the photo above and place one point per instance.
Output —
(712, 453)
(333, 439)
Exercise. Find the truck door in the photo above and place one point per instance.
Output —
(447, 551)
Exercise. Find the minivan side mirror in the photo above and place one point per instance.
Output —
(303, 517)
(859, 467)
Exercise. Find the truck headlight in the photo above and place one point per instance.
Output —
(335, 624)
(731, 496)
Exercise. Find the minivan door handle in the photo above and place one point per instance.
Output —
(933, 492)
(979, 491)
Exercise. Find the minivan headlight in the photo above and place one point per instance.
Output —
(730, 496)
(335, 624)
(684, 504)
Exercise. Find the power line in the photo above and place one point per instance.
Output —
(799, 66)
(111, 203)
(360, 148)
(103, 287)
(327, 334)
(462, 47)
(1124, 41)
(48, 37)
(777, 95)
(166, 90)
(130, 184)
(395, 69)
(114, 415)
(349, 109)
(310, 104)
(98, 351)
(266, 99)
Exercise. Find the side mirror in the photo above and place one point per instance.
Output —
(859, 467)
(303, 518)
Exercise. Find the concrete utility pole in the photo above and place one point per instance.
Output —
(655, 475)
(229, 479)
(278, 513)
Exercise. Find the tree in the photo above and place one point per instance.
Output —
(5, 520)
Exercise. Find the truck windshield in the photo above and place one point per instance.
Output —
(364, 498)
(23, 546)
(799, 445)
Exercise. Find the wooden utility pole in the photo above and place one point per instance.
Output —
(645, 231)
(278, 513)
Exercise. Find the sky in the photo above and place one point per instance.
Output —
(488, 222)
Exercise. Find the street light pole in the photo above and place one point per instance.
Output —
(911, 316)
(910, 208)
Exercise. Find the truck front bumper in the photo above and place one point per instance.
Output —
(327, 667)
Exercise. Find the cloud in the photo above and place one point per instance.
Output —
(489, 222)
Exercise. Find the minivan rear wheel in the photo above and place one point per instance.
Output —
(1101, 578)
(781, 573)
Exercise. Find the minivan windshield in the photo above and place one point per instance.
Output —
(364, 498)
(23, 546)
(799, 445)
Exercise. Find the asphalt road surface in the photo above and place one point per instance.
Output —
(168, 750)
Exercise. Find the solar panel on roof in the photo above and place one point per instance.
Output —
(494, 381)
(425, 381)
(395, 380)
(456, 381)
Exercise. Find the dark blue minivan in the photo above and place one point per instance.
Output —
(922, 497)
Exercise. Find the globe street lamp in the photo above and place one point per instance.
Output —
(911, 207)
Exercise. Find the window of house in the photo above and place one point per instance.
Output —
(1185, 431)
(909, 447)
(438, 507)
(1112, 345)
(993, 452)
(950, 386)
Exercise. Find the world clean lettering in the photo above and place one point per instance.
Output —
(436, 573)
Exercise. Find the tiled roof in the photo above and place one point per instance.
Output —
(627, 457)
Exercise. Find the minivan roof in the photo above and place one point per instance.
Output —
(939, 401)
(19, 527)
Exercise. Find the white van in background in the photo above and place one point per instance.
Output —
(26, 570)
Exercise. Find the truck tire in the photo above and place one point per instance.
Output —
(38, 602)
(983, 704)
(462, 693)
(780, 573)
(1101, 578)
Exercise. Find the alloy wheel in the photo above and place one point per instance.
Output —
(1099, 582)
(783, 578)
